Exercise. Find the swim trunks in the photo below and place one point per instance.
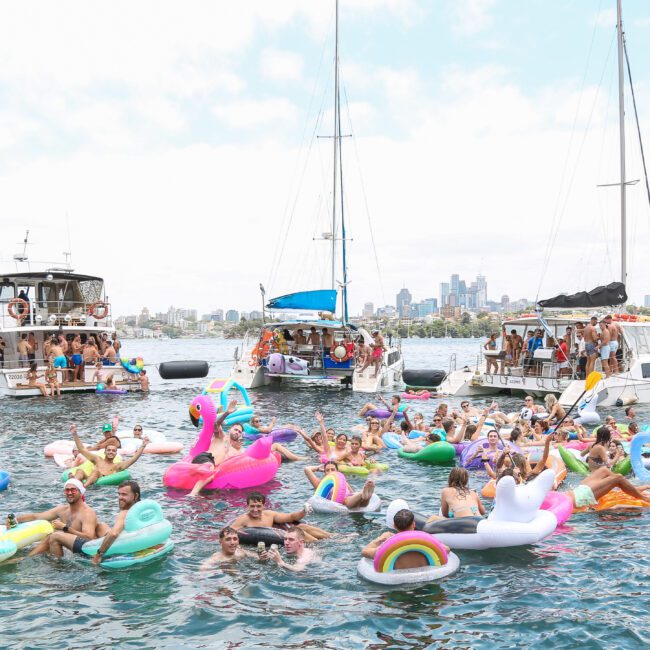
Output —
(60, 362)
(376, 353)
(76, 359)
(590, 349)
(106, 362)
(78, 543)
(583, 496)
(604, 352)
(204, 457)
(613, 347)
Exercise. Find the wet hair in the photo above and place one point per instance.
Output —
(403, 425)
(470, 431)
(255, 496)
(331, 462)
(227, 530)
(342, 435)
(448, 425)
(603, 436)
(299, 532)
(628, 409)
(508, 471)
(403, 519)
(459, 479)
(433, 437)
(544, 424)
(633, 426)
(515, 434)
(33, 366)
(135, 488)
(355, 439)
(397, 398)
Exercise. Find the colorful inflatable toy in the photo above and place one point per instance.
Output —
(87, 467)
(425, 395)
(258, 464)
(102, 390)
(636, 458)
(222, 388)
(436, 563)
(134, 366)
(437, 453)
(29, 532)
(333, 487)
(330, 495)
(5, 479)
(145, 538)
(470, 460)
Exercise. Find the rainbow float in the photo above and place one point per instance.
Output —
(29, 532)
(255, 466)
(418, 548)
(330, 494)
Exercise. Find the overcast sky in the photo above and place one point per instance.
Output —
(174, 142)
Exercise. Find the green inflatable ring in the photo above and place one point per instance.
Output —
(572, 463)
(624, 466)
(376, 466)
(437, 453)
(622, 428)
(111, 479)
(362, 470)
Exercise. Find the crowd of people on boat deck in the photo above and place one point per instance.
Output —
(321, 342)
(68, 356)
(575, 353)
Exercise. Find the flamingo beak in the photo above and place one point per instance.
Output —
(194, 416)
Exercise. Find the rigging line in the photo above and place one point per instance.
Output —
(302, 141)
(555, 218)
(636, 117)
(365, 198)
(575, 170)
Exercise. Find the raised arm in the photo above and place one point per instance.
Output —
(268, 428)
(541, 464)
(308, 441)
(80, 445)
(323, 430)
(311, 475)
(457, 437)
(289, 517)
(127, 463)
(387, 424)
(369, 551)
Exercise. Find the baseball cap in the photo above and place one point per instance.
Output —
(107, 426)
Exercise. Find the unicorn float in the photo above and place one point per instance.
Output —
(255, 466)
(516, 518)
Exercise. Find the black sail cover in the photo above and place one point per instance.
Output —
(612, 294)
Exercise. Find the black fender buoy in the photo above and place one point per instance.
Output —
(423, 378)
(183, 369)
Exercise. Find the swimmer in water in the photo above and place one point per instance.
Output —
(457, 500)
(231, 550)
(294, 546)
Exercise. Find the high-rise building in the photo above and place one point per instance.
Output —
(646, 301)
(388, 311)
(444, 293)
(232, 316)
(455, 281)
(403, 302)
(368, 310)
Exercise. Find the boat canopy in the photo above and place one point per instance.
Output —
(612, 294)
(319, 300)
(296, 324)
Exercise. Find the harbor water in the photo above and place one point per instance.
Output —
(586, 586)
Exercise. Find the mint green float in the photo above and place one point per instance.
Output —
(111, 479)
(437, 453)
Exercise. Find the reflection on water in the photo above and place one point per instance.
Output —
(584, 586)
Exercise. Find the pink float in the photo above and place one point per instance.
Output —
(576, 444)
(425, 395)
(257, 465)
(59, 447)
(560, 504)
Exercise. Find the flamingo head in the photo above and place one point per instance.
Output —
(202, 408)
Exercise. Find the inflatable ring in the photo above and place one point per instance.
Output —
(346, 357)
(97, 308)
(636, 448)
(325, 506)
(26, 533)
(437, 453)
(111, 479)
(572, 463)
(383, 572)
(14, 302)
(134, 366)
(333, 487)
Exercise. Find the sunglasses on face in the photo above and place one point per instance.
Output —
(137, 428)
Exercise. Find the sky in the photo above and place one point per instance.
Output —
(181, 150)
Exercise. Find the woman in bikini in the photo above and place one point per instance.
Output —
(457, 500)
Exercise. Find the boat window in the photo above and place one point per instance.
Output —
(645, 370)
(7, 292)
(638, 339)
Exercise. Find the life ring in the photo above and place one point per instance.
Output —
(24, 310)
(346, 357)
(96, 307)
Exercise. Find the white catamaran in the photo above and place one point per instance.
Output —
(278, 352)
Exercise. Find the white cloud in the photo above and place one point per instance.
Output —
(605, 18)
(251, 113)
(471, 17)
(280, 65)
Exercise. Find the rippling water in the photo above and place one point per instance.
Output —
(585, 586)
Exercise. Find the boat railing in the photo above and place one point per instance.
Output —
(452, 363)
(59, 313)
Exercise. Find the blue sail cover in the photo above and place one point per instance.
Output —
(320, 300)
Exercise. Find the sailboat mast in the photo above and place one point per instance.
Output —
(621, 126)
(336, 142)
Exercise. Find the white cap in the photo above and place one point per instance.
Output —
(75, 483)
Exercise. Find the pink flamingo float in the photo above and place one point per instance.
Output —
(257, 465)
